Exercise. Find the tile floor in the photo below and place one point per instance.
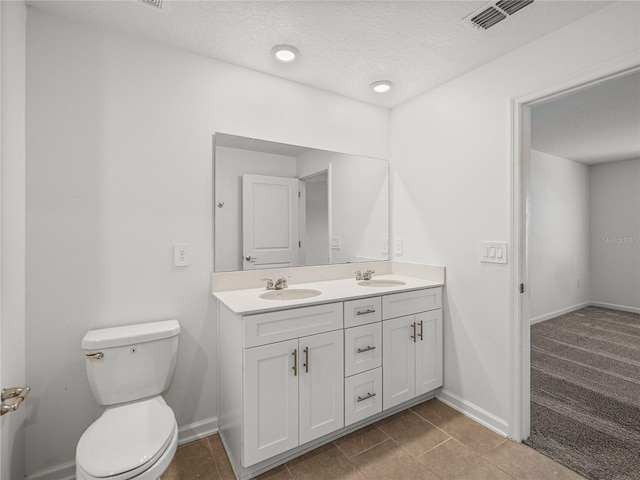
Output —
(430, 441)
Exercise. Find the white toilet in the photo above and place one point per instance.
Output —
(128, 368)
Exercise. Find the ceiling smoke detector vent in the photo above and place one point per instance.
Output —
(153, 3)
(494, 12)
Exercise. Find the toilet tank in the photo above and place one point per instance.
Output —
(131, 362)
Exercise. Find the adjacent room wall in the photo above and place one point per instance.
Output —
(119, 169)
(559, 236)
(451, 189)
(615, 235)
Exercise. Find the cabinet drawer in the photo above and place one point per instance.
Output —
(362, 348)
(363, 396)
(362, 311)
(409, 303)
(287, 324)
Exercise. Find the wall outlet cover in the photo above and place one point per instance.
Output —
(182, 254)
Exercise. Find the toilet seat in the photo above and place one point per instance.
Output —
(126, 440)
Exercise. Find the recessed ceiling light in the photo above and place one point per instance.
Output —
(382, 86)
(285, 53)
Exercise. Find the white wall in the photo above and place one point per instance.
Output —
(231, 163)
(615, 234)
(359, 189)
(12, 241)
(119, 168)
(559, 236)
(450, 158)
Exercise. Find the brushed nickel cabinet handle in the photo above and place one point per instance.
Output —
(413, 327)
(365, 312)
(306, 359)
(295, 362)
(421, 330)
(366, 397)
(365, 349)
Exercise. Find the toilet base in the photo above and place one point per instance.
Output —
(152, 473)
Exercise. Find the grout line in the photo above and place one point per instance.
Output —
(440, 444)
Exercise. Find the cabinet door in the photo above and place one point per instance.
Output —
(398, 361)
(321, 384)
(270, 401)
(428, 351)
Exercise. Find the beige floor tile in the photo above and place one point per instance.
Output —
(525, 463)
(436, 412)
(445, 457)
(215, 444)
(224, 468)
(389, 461)
(361, 440)
(475, 468)
(194, 468)
(278, 473)
(412, 432)
(472, 435)
(326, 462)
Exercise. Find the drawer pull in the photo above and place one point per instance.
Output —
(366, 397)
(295, 362)
(366, 312)
(366, 349)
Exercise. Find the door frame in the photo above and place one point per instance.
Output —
(303, 212)
(520, 347)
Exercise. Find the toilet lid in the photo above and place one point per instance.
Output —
(125, 438)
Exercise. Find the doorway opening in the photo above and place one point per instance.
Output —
(522, 308)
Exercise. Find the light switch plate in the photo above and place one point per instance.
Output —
(335, 243)
(493, 252)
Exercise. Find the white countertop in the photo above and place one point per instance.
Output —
(248, 301)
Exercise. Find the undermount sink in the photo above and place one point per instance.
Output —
(290, 294)
(381, 282)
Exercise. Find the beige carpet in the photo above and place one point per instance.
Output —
(585, 392)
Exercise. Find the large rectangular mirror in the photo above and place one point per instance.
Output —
(278, 205)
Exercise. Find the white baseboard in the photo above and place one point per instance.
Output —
(480, 415)
(612, 306)
(62, 471)
(197, 430)
(187, 433)
(557, 313)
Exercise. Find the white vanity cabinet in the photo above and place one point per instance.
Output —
(281, 379)
(412, 355)
(293, 394)
(294, 378)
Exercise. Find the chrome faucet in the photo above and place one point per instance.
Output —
(358, 275)
(281, 283)
(269, 283)
(367, 275)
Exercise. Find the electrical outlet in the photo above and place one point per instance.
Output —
(181, 254)
(398, 247)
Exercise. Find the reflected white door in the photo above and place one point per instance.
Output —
(270, 216)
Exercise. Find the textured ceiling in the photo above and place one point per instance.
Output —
(345, 46)
(596, 125)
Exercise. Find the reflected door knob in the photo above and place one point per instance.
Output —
(249, 258)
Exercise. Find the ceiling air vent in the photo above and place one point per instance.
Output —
(494, 12)
(512, 6)
(153, 3)
(487, 18)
